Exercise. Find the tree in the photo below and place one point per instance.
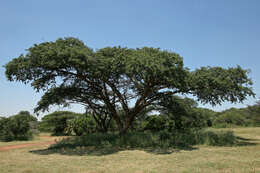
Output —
(17, 127)
(102, 118)
(208, 116)
(254, 113)
(116, 78)
(57, 122)
(182, 113)
(82, 125)
(232, 116)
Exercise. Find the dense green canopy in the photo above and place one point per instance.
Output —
(116, 78)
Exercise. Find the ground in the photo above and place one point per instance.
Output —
(201, 159)
(42, 139)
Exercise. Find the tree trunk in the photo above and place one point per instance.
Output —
(127, 124)
(123, 131)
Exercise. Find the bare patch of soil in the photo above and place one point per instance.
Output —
(10, 147)
(53, 140)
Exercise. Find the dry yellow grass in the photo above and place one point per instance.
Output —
(202, 159)
(39, 138)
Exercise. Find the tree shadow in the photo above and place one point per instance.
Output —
(101, 151)
(74, 149)
(246, 139)
(241, 141)
(79, 151)
(169, 150)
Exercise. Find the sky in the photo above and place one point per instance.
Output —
(222, 33)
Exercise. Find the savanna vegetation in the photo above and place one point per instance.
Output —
(18, 127)
(134, 100)
(243, 158)
(131, 95)
(118, 84)
(185, 125)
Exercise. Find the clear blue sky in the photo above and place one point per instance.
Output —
(215, 33)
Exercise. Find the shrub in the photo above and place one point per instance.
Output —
(238, 117)
(17, 127)
(231, 117)
(57, 122)
(147, 139)
(155, 123)
(81, 125)
(221, 138)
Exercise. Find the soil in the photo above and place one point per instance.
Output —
(26, 145)
(10, 147)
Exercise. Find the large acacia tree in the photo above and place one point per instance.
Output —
(116, 78)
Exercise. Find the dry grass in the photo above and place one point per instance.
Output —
(43, 137)
(202, 159)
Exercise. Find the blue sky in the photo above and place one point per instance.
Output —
(215, 33)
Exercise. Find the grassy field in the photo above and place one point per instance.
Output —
(43, 137)
(239, 159)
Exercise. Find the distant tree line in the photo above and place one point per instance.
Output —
(173, 115)
(249, 116)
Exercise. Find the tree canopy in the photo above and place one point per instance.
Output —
(119, 78)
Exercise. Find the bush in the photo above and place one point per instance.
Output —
(238, 117)
(155, 123)
(221, 138)
(82, 125)
(5, 132)
(57, 122)
(147, 139)
(231, 117)
(17, 127)
(254, 112)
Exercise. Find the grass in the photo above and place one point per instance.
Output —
(38, 138)
(244, 158)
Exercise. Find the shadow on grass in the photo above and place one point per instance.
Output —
(101, 146)
(79, 151)
(240, 141)
(169, 150)
(101, 151)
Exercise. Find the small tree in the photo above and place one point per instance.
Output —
(57, 122)
(113, 77)
(17, 127)
(82, 125)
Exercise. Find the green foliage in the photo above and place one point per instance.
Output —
(156, 123)
(45, 126)
(254, 112)
(180, 114)
(17, 127)
(207, 116)
(82, 124)
(231, 117)
(214, 84)
(5, 132)
(160, 139)
(238, 117)
(57, 122)
(221, 138)
(113, 77)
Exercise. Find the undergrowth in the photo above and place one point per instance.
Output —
(161, 139)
